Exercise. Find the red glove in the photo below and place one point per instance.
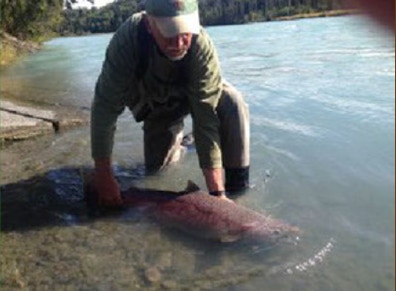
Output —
(106, 185)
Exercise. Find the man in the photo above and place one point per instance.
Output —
(162, 65)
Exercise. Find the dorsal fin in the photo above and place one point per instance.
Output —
(191, 186)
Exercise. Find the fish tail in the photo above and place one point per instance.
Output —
(90, 195)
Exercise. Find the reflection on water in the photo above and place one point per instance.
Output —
(321, 95)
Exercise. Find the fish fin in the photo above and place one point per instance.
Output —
(87, 180)
(90, 195)
(250, 225)
(229, 238)
(191, 186)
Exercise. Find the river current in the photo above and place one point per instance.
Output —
(321, 98)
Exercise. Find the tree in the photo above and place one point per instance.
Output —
(30, 19)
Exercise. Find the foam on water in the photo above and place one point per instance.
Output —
(286, 125)
(306, 264)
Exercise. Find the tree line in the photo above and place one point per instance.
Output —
(212, 12)
(34, 19)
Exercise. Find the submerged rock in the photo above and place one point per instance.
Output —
(152, 274)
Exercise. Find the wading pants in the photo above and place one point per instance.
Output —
(163, 134)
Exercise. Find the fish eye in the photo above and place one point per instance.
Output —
(276, 231)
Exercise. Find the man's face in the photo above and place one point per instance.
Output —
(175, 48)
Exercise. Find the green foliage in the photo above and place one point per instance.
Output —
(30, 19)
(212, 12)
(105, 19)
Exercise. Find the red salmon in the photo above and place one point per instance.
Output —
(196, 212)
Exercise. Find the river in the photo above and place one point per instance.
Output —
(321, 96)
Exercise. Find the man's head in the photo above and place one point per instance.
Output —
(172, 24)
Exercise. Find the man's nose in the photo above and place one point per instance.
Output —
(178, 41)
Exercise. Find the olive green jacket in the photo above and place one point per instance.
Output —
(119, 85)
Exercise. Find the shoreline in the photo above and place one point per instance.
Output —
(329, 13)
(13, 49)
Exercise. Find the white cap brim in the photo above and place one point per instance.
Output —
(172, 26)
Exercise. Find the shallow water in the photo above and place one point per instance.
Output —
(321, 95)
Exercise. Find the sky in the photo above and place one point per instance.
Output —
(86, 4)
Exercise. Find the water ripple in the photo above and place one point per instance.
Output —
(285, 125)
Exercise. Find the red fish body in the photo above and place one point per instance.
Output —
(196, 212)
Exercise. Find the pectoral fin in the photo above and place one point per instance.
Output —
(191, 186)
(228, 238)
(250, 225)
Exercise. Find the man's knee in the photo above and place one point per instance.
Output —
(233, 113)
(232, 101)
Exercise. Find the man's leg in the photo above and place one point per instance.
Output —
(235, 138)
(163, 133)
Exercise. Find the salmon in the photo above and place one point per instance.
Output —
(196, 212)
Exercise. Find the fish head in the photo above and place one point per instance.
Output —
(274, 231)
(286, 234)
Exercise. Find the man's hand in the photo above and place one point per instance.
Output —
(106, 185)
(214, 179)
(224, 197)
(215, 183)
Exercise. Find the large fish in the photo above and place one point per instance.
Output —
(196, 212)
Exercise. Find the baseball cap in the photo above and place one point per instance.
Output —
(174, 16)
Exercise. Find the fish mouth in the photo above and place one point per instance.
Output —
(274, 242)
(285, 235)
(291, 240)
(291, 236)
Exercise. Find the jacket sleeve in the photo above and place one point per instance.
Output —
(204, 91)
(112, 88)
